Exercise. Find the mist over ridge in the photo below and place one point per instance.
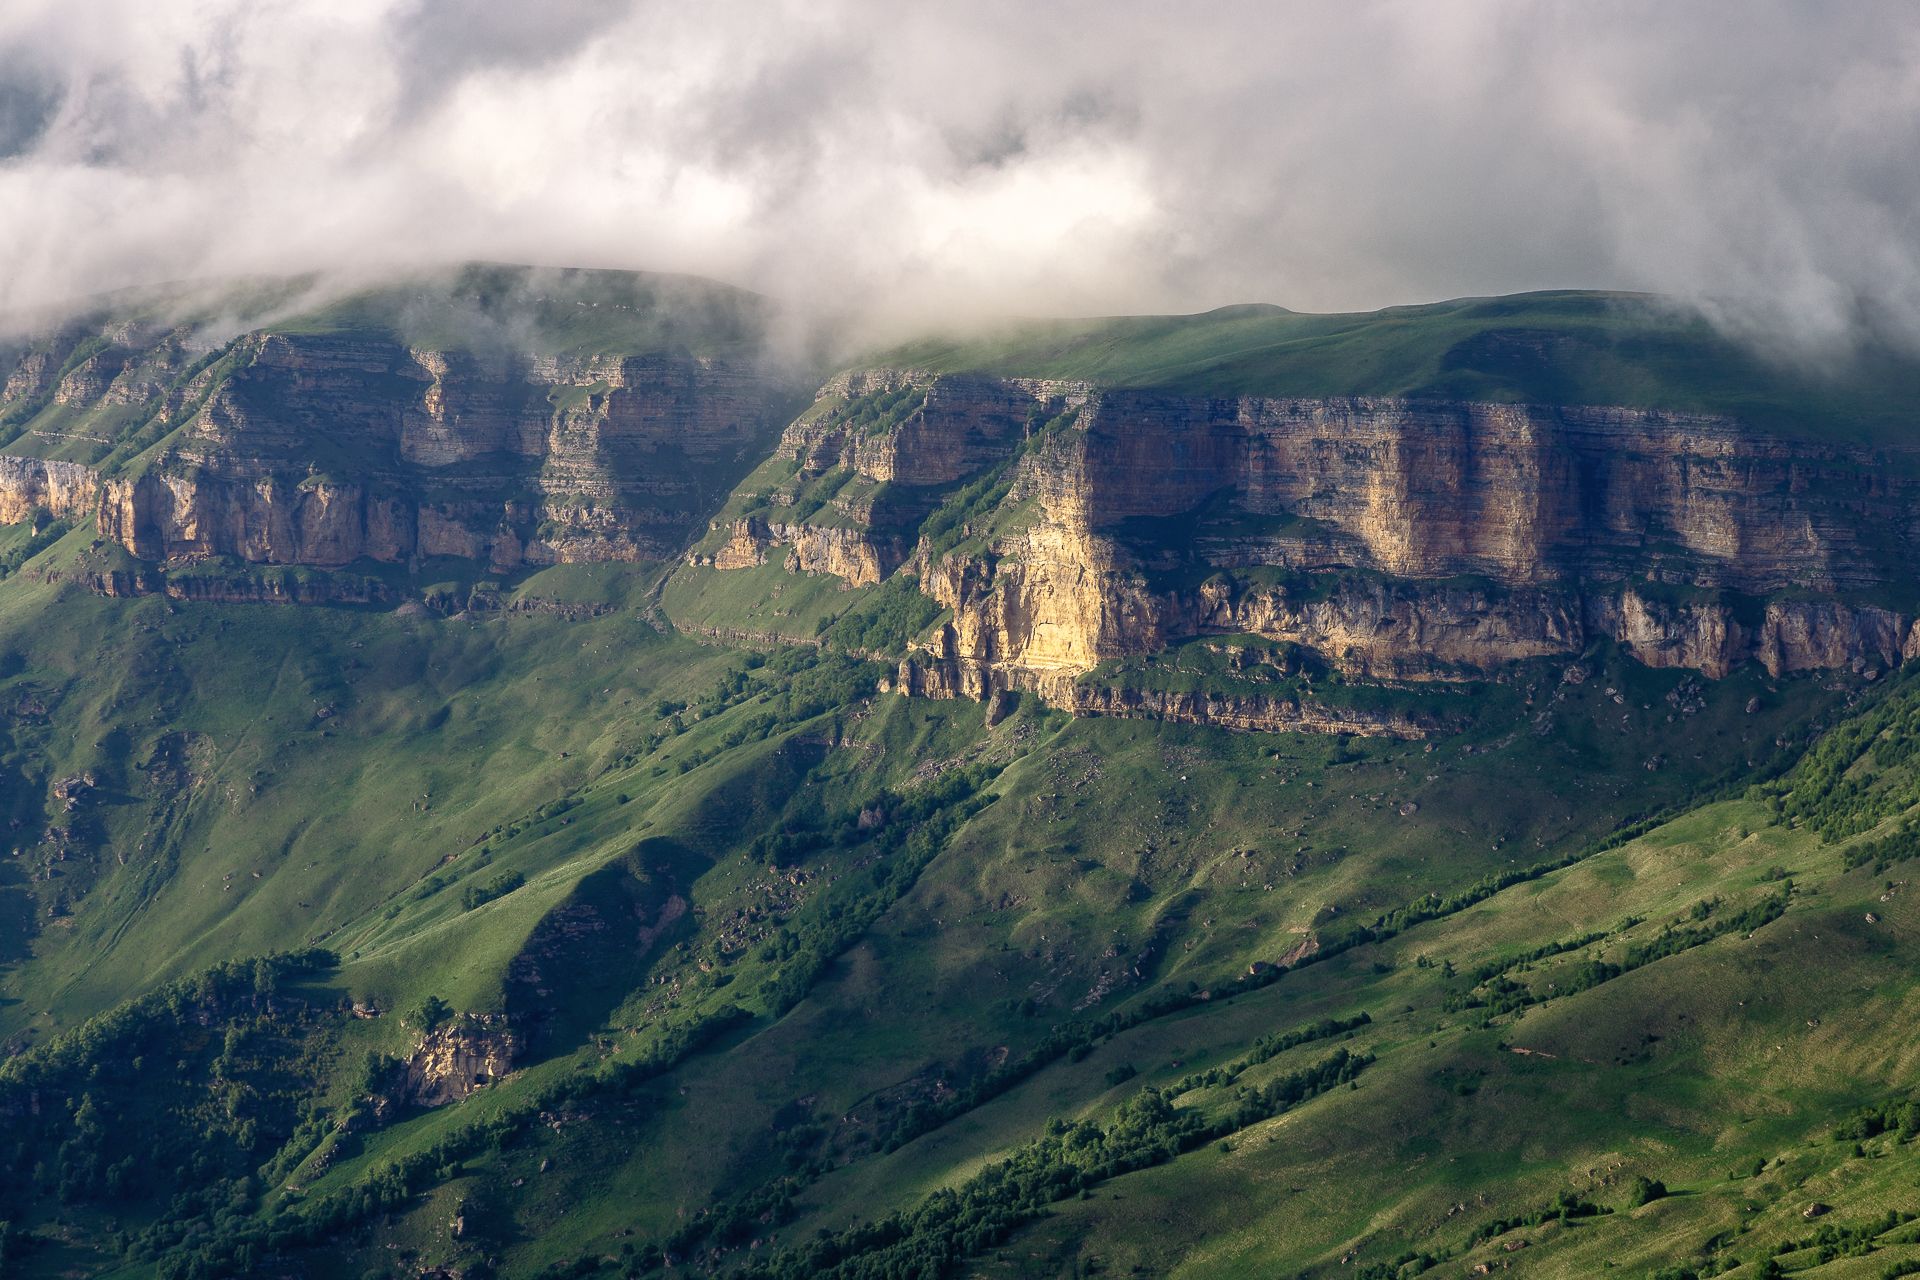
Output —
(918, 168)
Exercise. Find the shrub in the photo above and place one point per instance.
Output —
(1645, 1190)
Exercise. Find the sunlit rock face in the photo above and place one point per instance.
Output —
(1399, 539)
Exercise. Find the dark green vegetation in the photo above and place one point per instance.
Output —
(1537, 348)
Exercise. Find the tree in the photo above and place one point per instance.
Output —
(430, 1013)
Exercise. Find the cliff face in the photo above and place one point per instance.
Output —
(1516, 493)
(1062, 526)
(1395, 539)
(860, 556)
(948, 677)
(316, 444)
(326, 450)
(64, 490)
(877, 453)
(952, 427)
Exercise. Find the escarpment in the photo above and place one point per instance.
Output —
(500, 459)
(1062, 526)
(1027, 534)
(410, 427)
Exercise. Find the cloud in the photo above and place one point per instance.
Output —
(920, 162)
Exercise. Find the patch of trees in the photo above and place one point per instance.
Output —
(162, 424)
(1897, 846)
(1645, 1190)
(1502, 995)
(812, 496)
(954, 520)
(796, 684)
(1269, 1047)
(1494, 968)
(429, 1014)
(478, 895)
(1566, 1207)
(1899, 1116)
(886, 621)
(234, 988)
(1828, 793)
(235, 1046)
(884, 410)
(918, 826)
(1833, 1240)
(955, 1223)
(46, 531)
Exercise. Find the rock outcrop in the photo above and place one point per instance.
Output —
(1403, 540)
(457, 1058)
(200, 585)
(325, 450)
(860, 556)
(984, 682)
(29, 486)
(322, 443)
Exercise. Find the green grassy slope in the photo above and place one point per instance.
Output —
(253, 776)
(1677, 1034)
(550, 311)
(907, 943)
(1540, 348)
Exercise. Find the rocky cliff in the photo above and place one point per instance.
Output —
(1058, 526)
(1402, 540)
(311, 443)
(323, 451)
(29, 486)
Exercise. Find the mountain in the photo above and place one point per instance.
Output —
(1373, 795)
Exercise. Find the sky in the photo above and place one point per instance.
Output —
(921, 162)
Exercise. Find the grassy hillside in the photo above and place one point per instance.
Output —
(785, 955)
(1538, 348)
(550, 311)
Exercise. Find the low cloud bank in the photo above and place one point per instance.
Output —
(914, 164)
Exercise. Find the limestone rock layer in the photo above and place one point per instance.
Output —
(1060, 525)
(324, 449)
(1398, 539)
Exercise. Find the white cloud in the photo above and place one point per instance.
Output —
(925, 160)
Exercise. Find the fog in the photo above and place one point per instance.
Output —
(923, 163)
